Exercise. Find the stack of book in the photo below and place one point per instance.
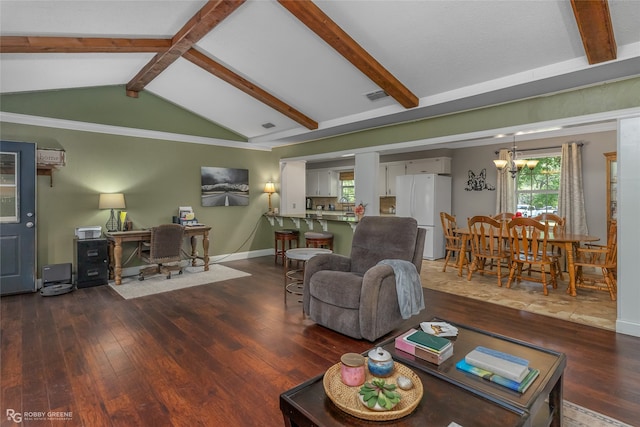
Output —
(501, 368)
(428, 347)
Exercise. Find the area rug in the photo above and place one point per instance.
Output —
(131, 287)
(590, 307)
(576, 416)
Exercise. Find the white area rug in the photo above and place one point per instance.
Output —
(131, 287)
(576, 416)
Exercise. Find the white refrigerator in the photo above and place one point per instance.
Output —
(423, 197)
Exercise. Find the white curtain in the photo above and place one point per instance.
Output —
(505, 186)
(571, 195)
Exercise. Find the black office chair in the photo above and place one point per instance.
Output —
(165, 247)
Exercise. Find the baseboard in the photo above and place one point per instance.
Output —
(628, 328)
(133, 271)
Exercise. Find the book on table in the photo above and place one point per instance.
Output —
(520, 387)
(424, 353)
(504, 364)
(427, 341)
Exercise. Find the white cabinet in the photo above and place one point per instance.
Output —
(322, 182)
(387, 177)
(438, 165)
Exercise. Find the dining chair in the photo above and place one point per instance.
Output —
(503, 216)
(453, 241)
(599, 257)
(528, 242)
(557, 224)
(487, 246)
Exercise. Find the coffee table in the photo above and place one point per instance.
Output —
(450, 395)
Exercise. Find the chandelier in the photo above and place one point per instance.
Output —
(514, 164)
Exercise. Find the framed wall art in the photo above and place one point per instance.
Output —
(224, 186)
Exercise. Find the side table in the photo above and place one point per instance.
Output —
(293, 278)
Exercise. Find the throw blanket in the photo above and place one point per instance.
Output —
(408, 286)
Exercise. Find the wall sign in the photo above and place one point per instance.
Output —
(478, 182)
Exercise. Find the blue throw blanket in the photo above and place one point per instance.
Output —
(408, 286)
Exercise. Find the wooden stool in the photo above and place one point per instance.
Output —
(318, 240)
(286, 237)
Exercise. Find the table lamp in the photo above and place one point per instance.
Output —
(111, 201)
(270, 188)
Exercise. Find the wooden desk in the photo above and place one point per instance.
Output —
(117, 238)
(566, 240)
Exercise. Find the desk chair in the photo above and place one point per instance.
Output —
(165, 246)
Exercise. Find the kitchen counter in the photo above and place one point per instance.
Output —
(311, 217)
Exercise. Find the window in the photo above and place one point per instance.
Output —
(537, 189)
(347, 187)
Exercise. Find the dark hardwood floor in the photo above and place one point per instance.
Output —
(221, 354)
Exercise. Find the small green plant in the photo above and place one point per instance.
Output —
(378, 391)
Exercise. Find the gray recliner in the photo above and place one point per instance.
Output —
(355, 296)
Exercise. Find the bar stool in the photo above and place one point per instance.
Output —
(283, 240)
(318, 239)
(293, 278)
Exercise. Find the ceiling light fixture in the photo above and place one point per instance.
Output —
(515, 164)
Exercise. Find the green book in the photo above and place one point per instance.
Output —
(429, 341)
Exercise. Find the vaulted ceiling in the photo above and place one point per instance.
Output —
(279, 72)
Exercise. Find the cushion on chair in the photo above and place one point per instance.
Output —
(378, 238)
(338, 288)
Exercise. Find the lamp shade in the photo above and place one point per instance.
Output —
(500, 164)
(111, 201)
(270, 187)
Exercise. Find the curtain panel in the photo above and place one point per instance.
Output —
(571, 194)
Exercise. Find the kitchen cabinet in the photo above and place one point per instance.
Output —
(322, 183)
(387, 177)
(437, 165)
(612, 186)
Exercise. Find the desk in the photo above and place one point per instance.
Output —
(117, 238)
(566, 240)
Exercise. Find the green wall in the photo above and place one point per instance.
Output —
(595, 99)
(109, 105)
(156, 177)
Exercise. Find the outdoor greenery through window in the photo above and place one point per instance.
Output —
(537, 189)
(347, 187)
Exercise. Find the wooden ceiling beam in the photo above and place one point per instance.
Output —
(211, 14)
(318, 22)
(596, 30)
(247, 87)
(22, 44)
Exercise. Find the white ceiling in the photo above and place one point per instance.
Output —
(454, 55)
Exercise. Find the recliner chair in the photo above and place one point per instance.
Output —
(355, 296)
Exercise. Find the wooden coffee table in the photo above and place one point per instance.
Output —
(450, 395)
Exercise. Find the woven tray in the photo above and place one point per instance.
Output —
(346, 398)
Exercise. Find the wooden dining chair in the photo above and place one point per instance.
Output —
(528, 243)
(453, 241)
(557, 224)
(503, 216)
(599, 257)
(487, 246)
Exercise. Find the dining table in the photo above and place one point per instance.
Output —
(561, 239)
